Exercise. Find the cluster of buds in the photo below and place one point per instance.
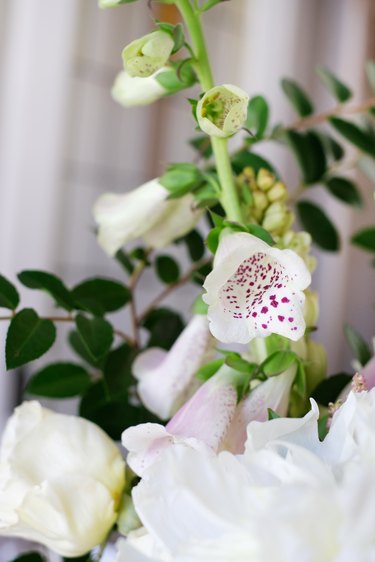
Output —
(268, 207)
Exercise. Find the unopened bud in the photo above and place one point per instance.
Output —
(222, 111)
(260, 200)
(277, 192)
(146, 55)
(277, 218)
(132, 91)
(265, 179)
(311, 308)
(315, 366)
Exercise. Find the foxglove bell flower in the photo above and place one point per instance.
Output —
(201, 423)
(61, 480)
(255, 290)
(132, 91)
(144, 212)
(222, 111)
(166, 378)
(144, 56)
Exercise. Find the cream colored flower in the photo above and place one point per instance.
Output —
(222, 111)
(61, 480)
(144, 56)
(144, 212)
(131, 91)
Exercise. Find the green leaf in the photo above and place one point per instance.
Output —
(317, 223)
(245, 158)
(123, 259)
(367, 167)
(177, 78)
(213, 239)
(261, 233)
(323, 427)
(195, 245)
(278, 362)
(101, 295)
(298, 97)
(236, 362)
(30, 557)
(257, 116)
(76, 343)
(202, 144)
(357, 344)
(209, 369)
(28, 338)
(300, 380)
(117, 370)
(345, 190)
(272, 415)
(167, 269)
(9, 297)
(309, 152)
(337, 88)
(365, 239)
(48, 282)
(96, 334)
(357, 136)
(332, 148)
(165, 326)
(370, 71)
(180, 179)
(59, 380)
(329, 389)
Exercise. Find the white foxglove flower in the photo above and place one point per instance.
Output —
(255, 290)
(144, 56)
(61, 480)
(144, 212)
(166, 378)
(201, 423)
(132, 91)
(222, 111)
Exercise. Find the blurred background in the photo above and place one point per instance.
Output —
(64, 141)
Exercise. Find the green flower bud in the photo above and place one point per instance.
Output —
(277, 192)
(222, 111)
(146, 55)
(311, 308)
(316, 365)
(265, 179)
(278, 218)
(260, 200)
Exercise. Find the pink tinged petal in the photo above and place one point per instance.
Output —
(368, 373)
(209, 413)
(273, 393)
(166, 379)
(144, 444)
(255, 290)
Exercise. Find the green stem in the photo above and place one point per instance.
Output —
(202, 65)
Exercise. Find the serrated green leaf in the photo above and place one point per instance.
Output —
(329, 389)
(278, 362)
(297, 97)
(309, 152)
(358, 345)
(28, 338)
(209, 369)
(44, 281)
(357, 136)
(317, 223)
(345, 190)
(257, 116)
(59, 380)
(167, 269)
(9, 297)
(101, 295)
(96, 335)
(337, 88)
(365, 239)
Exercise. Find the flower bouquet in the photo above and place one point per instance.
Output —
(236, 442)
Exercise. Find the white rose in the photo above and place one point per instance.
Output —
(144, 212)
(61, 480)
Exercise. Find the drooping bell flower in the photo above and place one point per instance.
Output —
(255, 290)
(222, 111)
(144, 56)
(144, 212)
(201, 423)
(131, 91)
(166, 378)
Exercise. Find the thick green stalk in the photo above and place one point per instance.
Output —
(229, 197)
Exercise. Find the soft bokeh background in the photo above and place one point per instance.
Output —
(63, 141)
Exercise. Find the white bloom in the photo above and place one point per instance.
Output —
(145, 211)
(144, 56)
(255, 290)
(166, 378)
(61, 479)
(131, 91)
(289, 497)
(222, 111)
